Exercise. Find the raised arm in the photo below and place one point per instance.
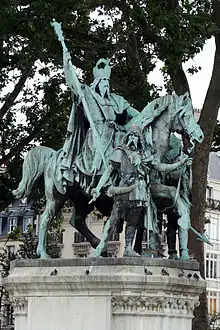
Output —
(70, 74)
(71, 80)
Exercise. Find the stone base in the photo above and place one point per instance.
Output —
(104, 294)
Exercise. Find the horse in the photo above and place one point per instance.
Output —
(170, 113)
(178, 118)
(179, 182)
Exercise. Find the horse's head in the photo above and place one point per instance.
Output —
(184, 121)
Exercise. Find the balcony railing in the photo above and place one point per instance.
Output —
(213, 204)
(81, 250)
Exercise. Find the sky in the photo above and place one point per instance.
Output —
(198, 82)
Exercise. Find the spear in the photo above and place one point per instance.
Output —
(59, 33)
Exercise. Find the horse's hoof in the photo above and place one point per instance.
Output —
(130, 253)
(104, 254)
(43, 255)
(184, 255)
(173, 256)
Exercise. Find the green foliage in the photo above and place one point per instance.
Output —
(134, 34)
(214, 321)
(28, 246)
(5, 259)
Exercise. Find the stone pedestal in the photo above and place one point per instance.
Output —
(104, 294)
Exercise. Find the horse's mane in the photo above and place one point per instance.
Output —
(154, 109)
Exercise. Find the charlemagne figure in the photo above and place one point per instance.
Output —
(80, 157)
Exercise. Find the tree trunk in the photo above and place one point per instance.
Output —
(207, 122)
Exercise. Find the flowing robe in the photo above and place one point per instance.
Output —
(80, 158)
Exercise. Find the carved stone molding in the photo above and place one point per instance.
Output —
(139, 304)
(19, 304)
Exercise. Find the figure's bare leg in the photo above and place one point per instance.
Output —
(138, 240)
(132, 217)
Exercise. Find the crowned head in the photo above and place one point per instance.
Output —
(102, 69)
(101, 73)
(135, 129)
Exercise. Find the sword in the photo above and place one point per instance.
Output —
(201, 237)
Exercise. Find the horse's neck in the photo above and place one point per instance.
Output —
(161, 130)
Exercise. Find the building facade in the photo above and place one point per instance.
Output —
(212, 253)
(18, 215)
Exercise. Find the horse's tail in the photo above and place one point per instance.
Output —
(33, 167)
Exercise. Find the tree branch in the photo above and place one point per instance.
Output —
(17, 89)
(179, 80)
(21, 144)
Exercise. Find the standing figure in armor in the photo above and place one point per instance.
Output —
(81, 158)
(128, 177)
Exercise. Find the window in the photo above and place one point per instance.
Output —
(27, 221)
(10, 249)
(12, 223)
(79, 238)
(1, 225)
(212, 300)
(211, 265)
(212, 228)
(209, 192)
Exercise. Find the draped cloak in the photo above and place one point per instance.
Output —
(79, 159)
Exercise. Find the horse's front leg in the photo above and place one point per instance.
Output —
(182, 210)
(78, 221)
(159, 190)
(109, 229)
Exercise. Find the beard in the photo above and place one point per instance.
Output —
(132, 144)
(104, 92)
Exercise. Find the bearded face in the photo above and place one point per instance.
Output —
(132, 141)
(103, 87)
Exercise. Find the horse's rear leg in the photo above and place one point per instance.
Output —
(47, 216)
(54, 203)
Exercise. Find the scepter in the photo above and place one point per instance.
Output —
(59, 33)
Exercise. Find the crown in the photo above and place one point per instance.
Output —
(135, 129)
(102, 72)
